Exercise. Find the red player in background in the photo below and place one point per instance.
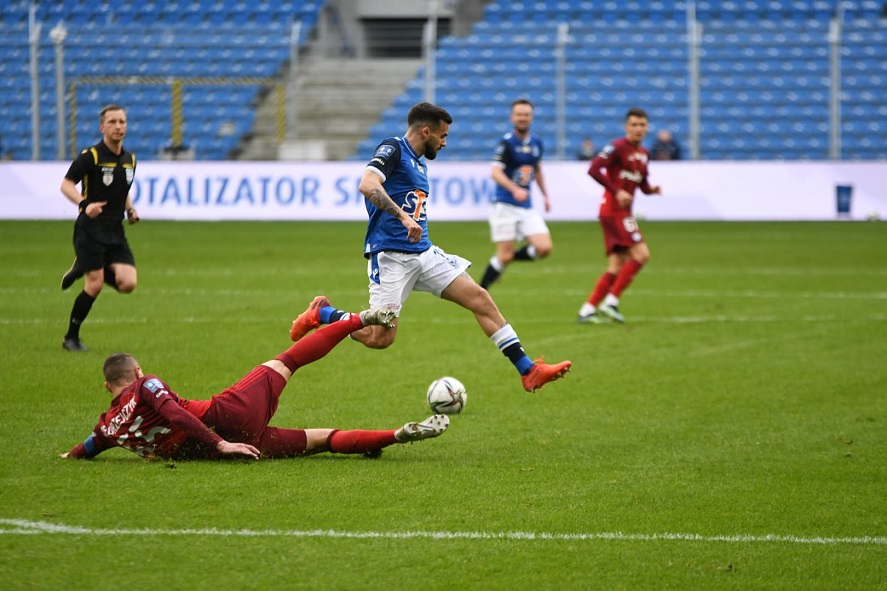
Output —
(620, 167)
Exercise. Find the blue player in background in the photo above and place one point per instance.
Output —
(517, 162)
(402, 257)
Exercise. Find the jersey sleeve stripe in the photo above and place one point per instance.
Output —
(378, 172)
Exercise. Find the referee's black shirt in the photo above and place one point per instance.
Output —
(105, 176)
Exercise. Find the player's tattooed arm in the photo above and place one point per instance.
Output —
(371, 188)
(378, 197)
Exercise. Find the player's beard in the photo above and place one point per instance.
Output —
(431, 153)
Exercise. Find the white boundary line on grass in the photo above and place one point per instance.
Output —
(24, 527)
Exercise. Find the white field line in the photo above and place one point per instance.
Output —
(24, 527)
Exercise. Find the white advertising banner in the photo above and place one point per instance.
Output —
(717, 191)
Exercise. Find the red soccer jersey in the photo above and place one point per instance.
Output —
(626, 168)
(148, 419)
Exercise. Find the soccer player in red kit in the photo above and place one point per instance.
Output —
(148, 418)
(620, 167)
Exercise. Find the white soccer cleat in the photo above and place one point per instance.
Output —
(430, 427)
(591, 318)
(611, 312)
(383, 316)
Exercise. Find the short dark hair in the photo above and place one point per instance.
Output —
(522, 101)
(636, 112)
(428, 114)
(118, 367)
(106, 108)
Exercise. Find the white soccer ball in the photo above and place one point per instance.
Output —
(447, 396)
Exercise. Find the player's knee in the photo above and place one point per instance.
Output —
(93, 287)
(482, 302)
(126, 286)
(378, 338)
(543, 251)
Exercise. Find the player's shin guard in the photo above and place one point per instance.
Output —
(506, 340)
(493, 272)
(82, 306)
(601, 288)
(359, 442)
(626, 276)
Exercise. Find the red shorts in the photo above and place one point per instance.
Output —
(241, 413)
(620, 233)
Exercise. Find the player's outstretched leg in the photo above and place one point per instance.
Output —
(371, 443)
(321, 342)
(542, 373)
(433, 426)
(311, 318)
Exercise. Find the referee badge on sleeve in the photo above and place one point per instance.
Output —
(129, 175)
(107, 175)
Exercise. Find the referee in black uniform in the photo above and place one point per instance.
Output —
(106, 172)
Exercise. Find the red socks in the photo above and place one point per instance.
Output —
(626, 275)
(601, 288)
(358, 442)
(319, 343)
(610, 283)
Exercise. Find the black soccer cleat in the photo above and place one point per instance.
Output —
(71, 344)
(71, 275)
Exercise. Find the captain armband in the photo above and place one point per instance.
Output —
(89, 446)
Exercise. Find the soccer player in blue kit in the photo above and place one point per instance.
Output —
(517, 162)
(402, 258)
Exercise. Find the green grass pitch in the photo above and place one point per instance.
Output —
(731, 435)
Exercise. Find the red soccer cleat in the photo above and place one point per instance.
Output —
(309, 319)
(543, 373)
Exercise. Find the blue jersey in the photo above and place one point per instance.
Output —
(519, 159)
(405, 179)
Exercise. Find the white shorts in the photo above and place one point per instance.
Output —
(395, 275)
(508, 222)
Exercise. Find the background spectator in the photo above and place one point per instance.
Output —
(666, 147)
(586, 150)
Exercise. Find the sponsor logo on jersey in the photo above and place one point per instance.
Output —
(635, 177)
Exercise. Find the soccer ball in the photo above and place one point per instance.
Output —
(447, 396)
